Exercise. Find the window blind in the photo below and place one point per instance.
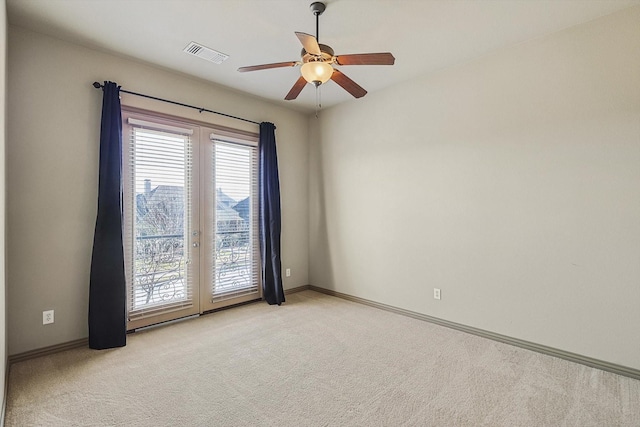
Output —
(158, 177)
(235, 264)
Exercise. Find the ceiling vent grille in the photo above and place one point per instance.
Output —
(204, 52)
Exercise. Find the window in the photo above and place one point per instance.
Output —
(190, 200)
(236, 266)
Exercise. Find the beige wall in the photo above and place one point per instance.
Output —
(52, 152)
(512, 183)
(3, 306)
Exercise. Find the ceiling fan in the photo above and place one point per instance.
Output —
(317, 62)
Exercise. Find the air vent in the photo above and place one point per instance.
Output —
(204, 52)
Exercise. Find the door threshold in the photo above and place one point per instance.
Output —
(167, 322)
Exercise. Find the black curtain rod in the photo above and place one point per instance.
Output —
(99, 86)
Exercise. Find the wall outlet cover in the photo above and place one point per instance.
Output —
(47, 317)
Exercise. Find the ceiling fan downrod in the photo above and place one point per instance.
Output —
(317, 8)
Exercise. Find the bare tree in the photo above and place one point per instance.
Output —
(159, 255)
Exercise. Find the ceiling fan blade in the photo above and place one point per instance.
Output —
(267, 66)
(309, 43)
(347, 84)
(384, 58)
(296, 89)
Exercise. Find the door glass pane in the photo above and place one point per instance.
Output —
(235, 258)
(162, 214)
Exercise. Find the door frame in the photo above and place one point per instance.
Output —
(208, 302)
(202, 300)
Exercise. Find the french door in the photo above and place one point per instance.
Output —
(191, 218)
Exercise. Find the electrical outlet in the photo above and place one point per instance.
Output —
(287, 272)
(47, 317)
(436, 293)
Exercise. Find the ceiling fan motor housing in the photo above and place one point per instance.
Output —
(327, 54)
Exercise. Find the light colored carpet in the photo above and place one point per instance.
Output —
(315, 361)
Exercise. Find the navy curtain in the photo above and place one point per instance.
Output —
(270, 216)
(107, 294)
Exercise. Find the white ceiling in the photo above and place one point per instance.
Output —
(424, 36)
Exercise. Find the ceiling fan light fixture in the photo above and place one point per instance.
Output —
(316, 72)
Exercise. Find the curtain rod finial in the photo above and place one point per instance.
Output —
(97, 85)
